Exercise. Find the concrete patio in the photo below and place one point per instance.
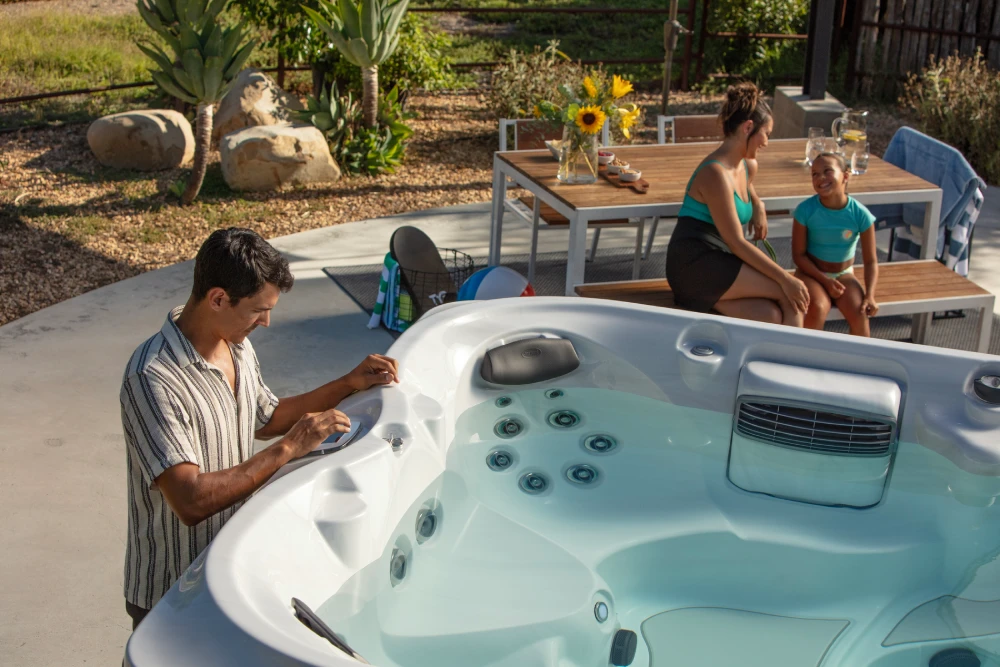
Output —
(62, 450)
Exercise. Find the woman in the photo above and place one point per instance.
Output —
(710, 263)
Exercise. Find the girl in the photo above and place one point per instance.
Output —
(824, 237)
(710, 263)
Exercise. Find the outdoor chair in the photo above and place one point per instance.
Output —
(688, 129)
(531, 134)
(961, 200)
(430, 275)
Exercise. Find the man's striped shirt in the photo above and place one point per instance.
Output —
(177, 408)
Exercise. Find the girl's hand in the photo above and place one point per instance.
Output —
(834, 288)
(868, 307)
(796, 292)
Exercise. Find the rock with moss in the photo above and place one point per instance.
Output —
(254, 100)
(147, 140)
(270, 156)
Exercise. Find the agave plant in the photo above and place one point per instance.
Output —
(203, 61)
(329, 113)
(366, 32)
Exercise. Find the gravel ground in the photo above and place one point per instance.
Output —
(93, 7)
(68, 225)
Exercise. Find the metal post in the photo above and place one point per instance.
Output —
(821, 17)
(669, 44)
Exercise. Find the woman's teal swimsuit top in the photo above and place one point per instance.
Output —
(699, 211)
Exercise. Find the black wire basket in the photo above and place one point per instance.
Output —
(432, 288)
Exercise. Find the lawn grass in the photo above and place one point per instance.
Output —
(52, 51)
(611, 36)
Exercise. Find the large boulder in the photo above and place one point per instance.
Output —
(254, 100)
(267, 157)
(147, 140)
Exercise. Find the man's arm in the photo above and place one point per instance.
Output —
(376, 369)
(194, 496)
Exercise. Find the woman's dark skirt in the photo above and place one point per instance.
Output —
(700, 267)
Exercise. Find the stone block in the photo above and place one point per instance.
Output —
(795, 113)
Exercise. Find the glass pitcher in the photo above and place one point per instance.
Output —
(851, 129)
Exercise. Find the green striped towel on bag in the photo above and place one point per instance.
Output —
(393, 307)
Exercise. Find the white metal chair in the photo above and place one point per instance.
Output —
(531, 134)
(688, 129)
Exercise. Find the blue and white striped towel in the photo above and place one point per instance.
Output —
(961, 198)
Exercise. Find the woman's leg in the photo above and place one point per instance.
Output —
(752, 284)
(849, 304)
(819, 302)
(760, 310)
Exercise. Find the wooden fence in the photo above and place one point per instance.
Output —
(892, 38)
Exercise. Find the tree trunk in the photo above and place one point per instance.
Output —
(369, 102)
(202, 140)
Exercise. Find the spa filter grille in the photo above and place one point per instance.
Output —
(810, 428)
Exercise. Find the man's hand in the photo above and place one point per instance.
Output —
(376, 369)
(313, 428)
(194, 496)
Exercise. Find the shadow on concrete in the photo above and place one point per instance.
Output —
(52, 267)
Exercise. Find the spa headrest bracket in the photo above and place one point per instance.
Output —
(529, 361)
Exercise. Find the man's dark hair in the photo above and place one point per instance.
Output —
(241, 262)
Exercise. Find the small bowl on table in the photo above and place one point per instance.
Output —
(604, 157)
(616, 168)
(627, 175)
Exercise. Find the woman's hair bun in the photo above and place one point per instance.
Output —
(743, 102)
(741, 97)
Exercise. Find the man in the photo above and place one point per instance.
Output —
(193, 400)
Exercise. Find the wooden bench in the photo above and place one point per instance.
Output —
(904, 288)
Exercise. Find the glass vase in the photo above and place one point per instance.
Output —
(578, 157)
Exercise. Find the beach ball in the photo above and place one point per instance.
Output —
(494, 282)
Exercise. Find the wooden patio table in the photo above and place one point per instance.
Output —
(782, 182)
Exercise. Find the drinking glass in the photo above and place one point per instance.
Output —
(819, 146)
(859, 160)
(815, 133)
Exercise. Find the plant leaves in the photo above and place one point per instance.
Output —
(171, 88)
(240, 59)
(348, 13)
(194, 66)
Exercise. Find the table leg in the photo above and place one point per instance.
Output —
(638, 248)
(918, 328)
(928, 250)
(985, 327)
(932, 219)
(496, 211)
(577, 253)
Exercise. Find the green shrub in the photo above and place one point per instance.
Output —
(957, 100)
(758, 59)
(356, 148)
(418, 62)
(522, 79)
(288, 29)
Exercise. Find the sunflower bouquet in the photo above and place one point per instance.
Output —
(583, 111)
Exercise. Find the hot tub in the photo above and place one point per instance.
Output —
(563, 482)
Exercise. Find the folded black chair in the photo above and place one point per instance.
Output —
(430, 274)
